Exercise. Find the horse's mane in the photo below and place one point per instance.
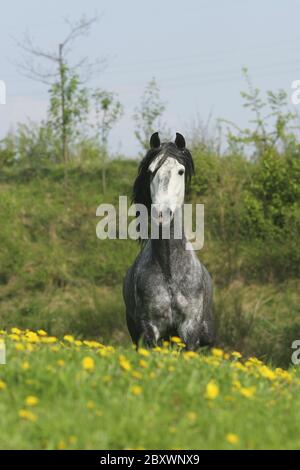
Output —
(141, 187)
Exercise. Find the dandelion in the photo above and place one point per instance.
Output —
(16, 331)
(247, 392)
(136, 375)
(144, 352)
(216, 352)
(136, 390)
(69, 338)
(31, 400)
(212, 390)
(2, 385)
(60, 362)
(88, 363)
(124, 363)
(143, 363)
(27, 415)
(175, 339)
(90, 405)
(41, 333)
(236, 354)
(267, 373)
(72, 440)
(232, 438)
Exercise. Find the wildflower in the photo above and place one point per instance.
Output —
(175, 339)
(216, 352)
(136, 390)
(27, 415)
(19, 347)
(48, 339)
(267, 373)
(90, 405)
(190, 354)
(144, 352)
(143, 363)
(236, 354)
(136, 375)
(16, 331)
(124, 363)
(32, 337)
(232, 438)
(2, 385)
(31, 400)
(247, 392)
(69, 338)
(88, 363)
(212, 390)
(60, 362)
(41, 333)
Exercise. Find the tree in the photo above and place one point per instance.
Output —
(148, 115)
(68, 97)
(108, 111)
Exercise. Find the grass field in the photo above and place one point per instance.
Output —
(73, 394)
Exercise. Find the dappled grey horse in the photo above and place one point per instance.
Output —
(167, 290)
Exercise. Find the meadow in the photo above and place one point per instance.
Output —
(74, 394)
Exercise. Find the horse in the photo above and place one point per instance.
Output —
(167, 291)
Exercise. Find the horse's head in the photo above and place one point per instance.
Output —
(163, 175)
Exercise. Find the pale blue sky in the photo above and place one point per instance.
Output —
(195, 49)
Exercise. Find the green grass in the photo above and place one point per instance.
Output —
(160, 403)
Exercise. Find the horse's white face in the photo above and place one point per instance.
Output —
(168, 185)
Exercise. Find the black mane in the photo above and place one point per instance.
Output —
(141, 186)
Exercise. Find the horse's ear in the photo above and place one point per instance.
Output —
(155, 141)
(180, 141)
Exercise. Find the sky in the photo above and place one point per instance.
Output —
(195, 50)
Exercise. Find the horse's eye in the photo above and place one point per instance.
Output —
(180, 172)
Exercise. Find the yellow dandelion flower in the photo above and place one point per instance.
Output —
(136, 390)
(247, 392)
(212, 390)
(144, 352)
(31, 400)
(88, 363)
(27, 415)
(190, 354)
(60, 362)
(2, 385)
(236, 354)
(69, 338)
(136, 375)
(143, 363)
(216, 352)
(175, 339)
(20, 347)
(232, 438)
(61, 445)
(41, 333)
(90, 405)
(267, 373)
(16, 331)
(124, 363)
(32, 337)
(48, 339)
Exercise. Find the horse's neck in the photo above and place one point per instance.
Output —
(171, 252)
